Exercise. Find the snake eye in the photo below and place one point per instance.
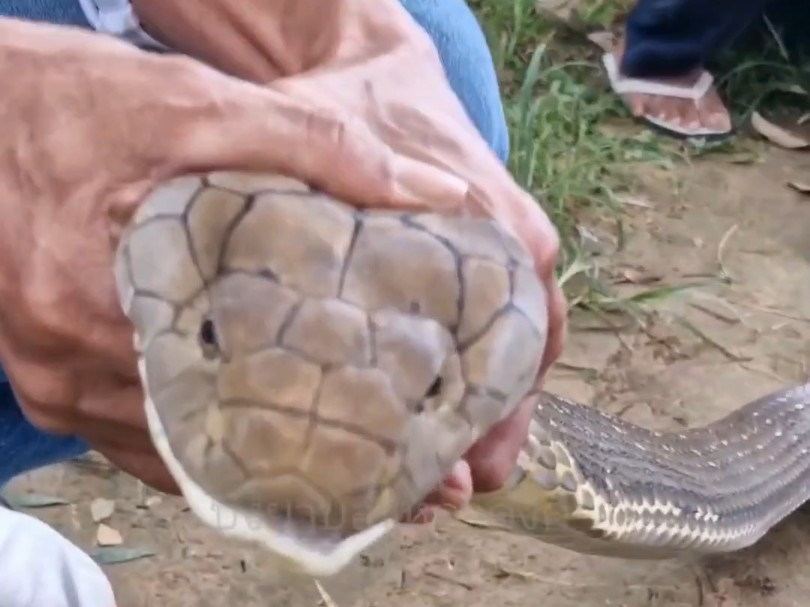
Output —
(208, 338)
(433, 391)
(435, 388)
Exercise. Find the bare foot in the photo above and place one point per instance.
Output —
(685, 115)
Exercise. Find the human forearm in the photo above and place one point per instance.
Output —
(257, 40)
(261, 40)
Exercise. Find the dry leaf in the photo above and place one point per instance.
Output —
(562, 9)
(802, 187)
(636, 277)
(34, 500)
(633, 201)
(101, 509)
(777, 134)
(111, 555)
(604, 40)
(474, 518)
(107, 536)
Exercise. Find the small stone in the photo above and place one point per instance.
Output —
(101, 509)
(152, 501)
(107, 536)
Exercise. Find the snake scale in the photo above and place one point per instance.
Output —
(312, 371)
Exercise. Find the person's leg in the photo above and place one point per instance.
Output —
(468, 64)
(22, 446)
(60, 12)
(666, 45)
(671, 38)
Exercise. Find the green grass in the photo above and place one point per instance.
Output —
(573, 147)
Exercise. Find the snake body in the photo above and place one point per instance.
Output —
(312, 371)
(600, 485)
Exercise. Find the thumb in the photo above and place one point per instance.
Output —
(493, 457)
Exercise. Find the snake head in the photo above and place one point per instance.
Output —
(314, 368)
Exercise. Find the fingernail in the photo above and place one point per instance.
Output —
(419, 185)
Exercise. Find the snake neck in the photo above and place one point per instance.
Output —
(630, 491)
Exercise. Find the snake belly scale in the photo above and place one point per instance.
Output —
(312, 371)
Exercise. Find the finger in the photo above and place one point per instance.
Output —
(454, 493)
(493, 458)
(540, 236)
(557, 327)
(147, 467)
(249, 127)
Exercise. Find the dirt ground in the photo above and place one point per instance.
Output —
(724, 217)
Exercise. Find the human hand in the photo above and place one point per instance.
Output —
(374, 61)
(66, 346)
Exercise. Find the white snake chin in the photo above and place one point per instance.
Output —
(295, 552)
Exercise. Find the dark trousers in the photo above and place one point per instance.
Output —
(666, 38)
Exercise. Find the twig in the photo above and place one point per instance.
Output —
(447, 579)
(325, 598)
(720, 249)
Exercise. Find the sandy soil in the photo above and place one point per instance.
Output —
(661, 378)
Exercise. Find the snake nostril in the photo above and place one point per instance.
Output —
(208, 338)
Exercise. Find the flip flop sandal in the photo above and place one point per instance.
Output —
(629, 86)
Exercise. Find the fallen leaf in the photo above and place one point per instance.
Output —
(604, 40)
(802, 187)
(777, 134)
(636, 277)
(34, 500)
(562, 9)
(634, 201)
(111, 555)
(101, 509)
(107, 536)
(502, 572)
(477, 519)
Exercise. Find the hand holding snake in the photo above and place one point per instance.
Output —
(364, 131)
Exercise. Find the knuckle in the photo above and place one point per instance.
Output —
(358, 166)
(43, 415)
(328, 126)
(546, 256)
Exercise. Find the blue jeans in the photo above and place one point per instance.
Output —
(470, 70)
(666, 38)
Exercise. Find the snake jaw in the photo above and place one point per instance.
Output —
(292, 550)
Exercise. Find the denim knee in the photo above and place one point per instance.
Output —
(468, 64)
(25, 447)
(59, 12)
